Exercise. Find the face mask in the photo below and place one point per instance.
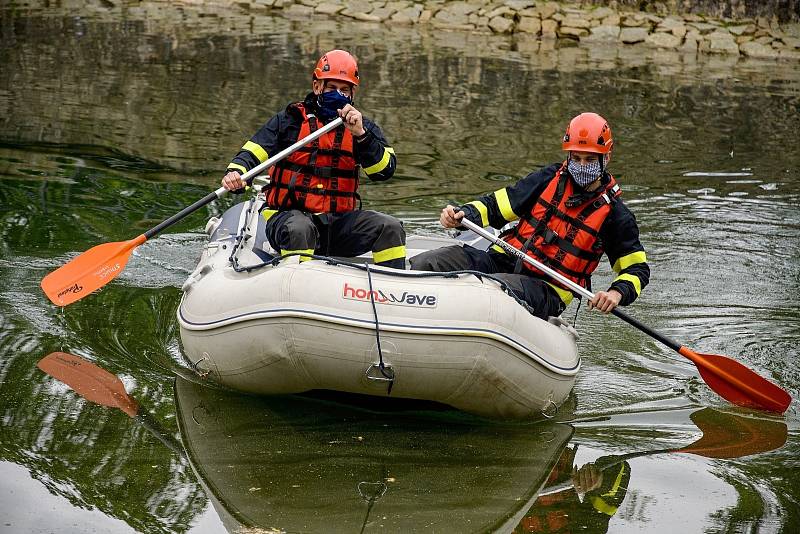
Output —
(330, 102)
(584, 174)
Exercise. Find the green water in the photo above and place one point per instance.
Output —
(112, 120)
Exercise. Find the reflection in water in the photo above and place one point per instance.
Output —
(303, 464)
(97, 385)
(588, 497)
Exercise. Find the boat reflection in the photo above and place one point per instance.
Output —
(305, 464)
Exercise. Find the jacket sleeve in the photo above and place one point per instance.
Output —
(509, 203)
(374, 154)
(620, 235)
(259, 147)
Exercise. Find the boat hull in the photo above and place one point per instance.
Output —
(294, 327)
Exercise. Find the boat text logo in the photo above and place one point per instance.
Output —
(398, 298)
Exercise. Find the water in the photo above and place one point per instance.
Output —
(114, 119)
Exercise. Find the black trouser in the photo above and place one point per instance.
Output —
(535, 292)
(343, 234)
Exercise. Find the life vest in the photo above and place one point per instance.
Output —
(321, 177)
(562, 234)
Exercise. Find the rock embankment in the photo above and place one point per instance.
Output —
(754, 37)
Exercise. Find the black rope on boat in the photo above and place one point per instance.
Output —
(399, 273)
(575, 319)
(234, 260)
(240, 238)
(381, 366)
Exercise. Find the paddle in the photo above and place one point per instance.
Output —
(728, 378)
(99, 386)
(100, 264)
(724, 436)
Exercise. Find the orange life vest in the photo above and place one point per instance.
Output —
(321, 177)
(563, 236)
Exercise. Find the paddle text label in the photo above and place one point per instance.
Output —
(397, 298)
(74, 288)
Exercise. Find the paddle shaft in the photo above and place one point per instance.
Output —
(510, 249)
(247, 177)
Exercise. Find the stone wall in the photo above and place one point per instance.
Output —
(760, 37)
(783, 10)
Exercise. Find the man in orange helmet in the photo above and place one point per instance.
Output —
(312, 202)
(570, 214)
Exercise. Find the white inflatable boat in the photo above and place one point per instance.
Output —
(267, 325)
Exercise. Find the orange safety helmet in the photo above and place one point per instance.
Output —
(588, 132)
(337, 65)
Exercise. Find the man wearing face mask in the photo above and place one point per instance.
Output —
(313, 205)
(570, 214)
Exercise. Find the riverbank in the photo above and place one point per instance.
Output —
(759, 37)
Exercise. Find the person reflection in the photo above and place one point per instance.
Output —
(585, 499)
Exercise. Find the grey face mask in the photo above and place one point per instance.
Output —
(584, 174)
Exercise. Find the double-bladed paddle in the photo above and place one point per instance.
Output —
(728, 378)
(100, 264)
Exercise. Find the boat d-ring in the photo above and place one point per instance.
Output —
(202, 373)
(381, 373)
(385, 374)
(202, 408)
(550, 409)
(381, 488)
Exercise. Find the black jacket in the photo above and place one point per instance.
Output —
(372, 152)
(619, 233)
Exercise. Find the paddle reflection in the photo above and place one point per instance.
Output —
(586, 498)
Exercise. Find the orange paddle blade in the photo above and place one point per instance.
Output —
(91, 382)
(88, 272)
(737, 384)
(728, 435)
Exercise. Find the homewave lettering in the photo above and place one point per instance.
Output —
(405, 298)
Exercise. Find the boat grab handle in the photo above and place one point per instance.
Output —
(385, 375)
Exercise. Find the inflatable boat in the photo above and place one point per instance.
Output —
(260, 323)
(304, 464)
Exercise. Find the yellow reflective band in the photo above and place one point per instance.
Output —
(631, 259)
(268, 213)
(389, 254)
(617, 483)
(382, 164)
(602, 506)
(633, 279)
(501, 195)
(481, 207)
(236, 167)
(498, 248)
(257, 150)
(299, 251)
(565, 296)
